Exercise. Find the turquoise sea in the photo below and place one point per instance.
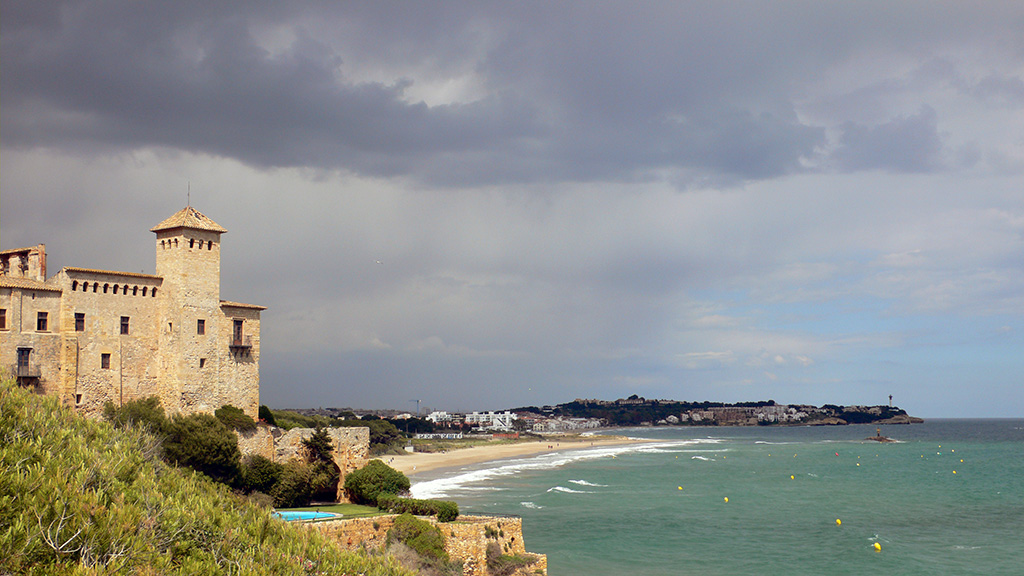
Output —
(947, 498)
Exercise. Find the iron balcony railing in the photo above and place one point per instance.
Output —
(243, 342)
(26, 371)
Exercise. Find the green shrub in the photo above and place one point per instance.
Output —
(203, 443)
(445, 510)
(145, 412)
(295, 486)
(235, 418)
(259, 474)
(499, 564)
(365, 485)
(420, 535)
(267, 415)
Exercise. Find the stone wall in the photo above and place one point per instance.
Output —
(466, 539)
(351, 447)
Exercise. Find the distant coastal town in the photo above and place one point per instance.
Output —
(590, 414)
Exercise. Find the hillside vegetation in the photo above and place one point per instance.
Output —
(79, 496)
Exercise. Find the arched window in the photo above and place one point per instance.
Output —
(191, 242)
(125, 289)
(144, 290)
(115, 288)
(209, 245)
(74, 285)
(200, 244)
(105, 286)
(135, 290)
(95, 286)
(154, 292)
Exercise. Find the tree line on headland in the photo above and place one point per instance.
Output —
(638, 411)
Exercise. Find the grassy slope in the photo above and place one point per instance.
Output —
(80, 497)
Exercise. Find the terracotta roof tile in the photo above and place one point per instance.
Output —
(240, 305)
(110, 273)
(27, 284)
(188, 217)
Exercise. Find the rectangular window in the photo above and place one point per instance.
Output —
(24, 354)
(41, 318)
(79, 322)
(78, 398)
(105, 361)
(124, 324)
(237, 335)
(202, 362)
(200, 327)
(3, 318)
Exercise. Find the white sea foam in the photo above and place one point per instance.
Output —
(469, 477)
(533, 505)
(568, 490)
(585, 483)
(702, 458)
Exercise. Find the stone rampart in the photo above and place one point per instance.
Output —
(351, 447)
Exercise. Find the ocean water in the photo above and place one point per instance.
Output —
(947, 498)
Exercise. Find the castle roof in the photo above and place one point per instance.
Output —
(27, 284)
(110, 273)
(188, 217)
(230, 304)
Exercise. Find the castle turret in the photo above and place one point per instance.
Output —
(188, 257)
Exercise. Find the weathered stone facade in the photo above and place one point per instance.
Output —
(92, 336)
(465, 539)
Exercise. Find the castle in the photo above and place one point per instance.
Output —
(93, 336)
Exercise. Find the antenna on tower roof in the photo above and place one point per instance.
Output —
(188, 195)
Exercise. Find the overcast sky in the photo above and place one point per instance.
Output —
(487, 205)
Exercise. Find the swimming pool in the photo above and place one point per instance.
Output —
(295, 515)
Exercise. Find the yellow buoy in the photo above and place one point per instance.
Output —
(961, 460)
(726, 499)
(878, 547)
(791, 477)
(954, 471)
(858, 463)
(680, 487)
(839, 522)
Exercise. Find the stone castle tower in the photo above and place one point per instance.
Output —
(93, 336)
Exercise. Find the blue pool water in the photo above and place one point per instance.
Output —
(291, 516)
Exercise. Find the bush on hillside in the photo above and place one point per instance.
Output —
(365, 485)
(259, 474)
(499, 564)
(145, 412)
(294, 488)
(203, 443)
(235, 418)
(420, 535)
(445, 510)
(267, 415)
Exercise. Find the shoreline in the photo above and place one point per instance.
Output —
(412, 464)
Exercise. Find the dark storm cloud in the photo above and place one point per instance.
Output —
(579, 92)
(904, 144)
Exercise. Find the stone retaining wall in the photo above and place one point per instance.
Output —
(466, 539)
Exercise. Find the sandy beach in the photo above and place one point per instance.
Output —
(414, 463)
